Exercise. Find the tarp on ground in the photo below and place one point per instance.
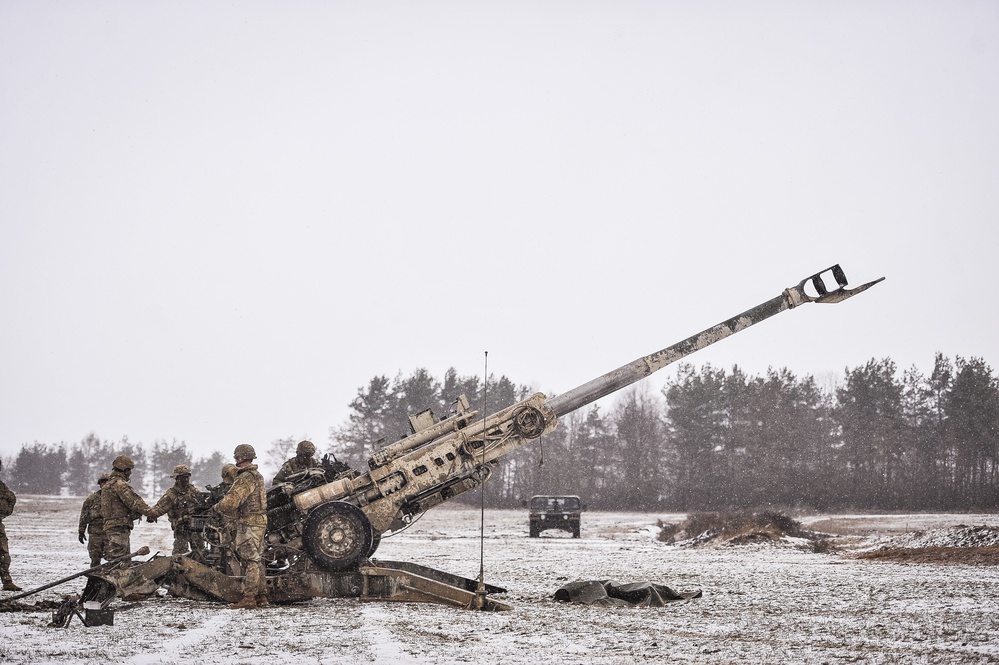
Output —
(608, 593)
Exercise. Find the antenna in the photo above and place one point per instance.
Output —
(480, 589)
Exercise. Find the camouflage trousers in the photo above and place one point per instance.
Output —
(185, 540)
(4, 555)
(227, 542)
(96, 544)
(249, 548)
(119, 542)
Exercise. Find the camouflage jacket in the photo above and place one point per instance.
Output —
(246, 500)
(91, 518)
(120, 504)
(7, 501)
(293, 466)
(179, 504)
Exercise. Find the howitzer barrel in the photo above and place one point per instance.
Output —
(638, 369)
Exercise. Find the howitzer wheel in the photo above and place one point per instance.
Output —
(337, 536)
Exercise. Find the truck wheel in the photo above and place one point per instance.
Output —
(575, 531)
(534, 531)
(337, 536)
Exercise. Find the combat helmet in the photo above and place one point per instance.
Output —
(122, 463)
(306, 448)
(181, 470)
(228, 473)
(244, 452)
(103, 478)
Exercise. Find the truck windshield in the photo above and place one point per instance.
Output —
(554, 503)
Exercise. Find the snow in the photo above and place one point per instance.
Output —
(761, 604)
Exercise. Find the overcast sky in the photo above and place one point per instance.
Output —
(220, 219)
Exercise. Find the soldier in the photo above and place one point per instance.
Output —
(302, 461)
(227, 531)
(246, 504)
(228, 477)
(179, 503)
(7, 501)
(92, 522)
(121, 506)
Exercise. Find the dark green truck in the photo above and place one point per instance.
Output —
(555, 512)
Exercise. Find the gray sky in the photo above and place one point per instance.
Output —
(219, 219)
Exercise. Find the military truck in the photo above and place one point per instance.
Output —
(554, 512)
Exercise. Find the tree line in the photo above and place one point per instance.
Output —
(712, 439)
(721, 439)
(73, 470)
(40, 468)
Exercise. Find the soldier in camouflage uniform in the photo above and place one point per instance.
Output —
(121, 506)
(246, 504)
(302, 461)
(179, 502)
(228, 477)
(7, 501)
(227, 531)
(92, 523)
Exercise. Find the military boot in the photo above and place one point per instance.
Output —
(247, 603)
(8, 585)
(262, 601)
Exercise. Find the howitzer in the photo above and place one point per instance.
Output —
(338, 522)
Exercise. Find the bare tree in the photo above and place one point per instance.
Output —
(165, 457)
(277, 453)
(208, 470)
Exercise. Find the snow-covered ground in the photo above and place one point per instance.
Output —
(761, 603)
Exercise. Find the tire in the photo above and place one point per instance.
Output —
(575, 531)
(338, 536)
(534, 531)
(375, 541)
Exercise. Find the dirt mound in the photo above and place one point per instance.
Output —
(955, 536)
(742, 528)
(972, 545)
(972, 556)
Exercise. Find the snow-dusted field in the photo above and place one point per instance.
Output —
(761, 603)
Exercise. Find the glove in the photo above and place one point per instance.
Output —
(83, 538)
(152, 517)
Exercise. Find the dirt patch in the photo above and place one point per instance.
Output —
(959, 544)
(956, 536)
(972, 556)
(39, 606)
(889, 524)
